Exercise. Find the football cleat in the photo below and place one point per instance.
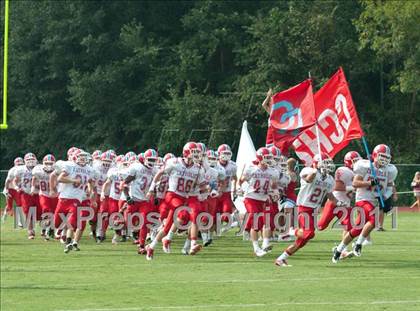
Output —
(185, 251)
(114, 241)
(281, 263)
(336, 256)
(357, 250)
(166, 245)
(345, 254)
(68, 248)
(149, 252)
(31, 237)
(367, 242)
(260, 253)
(208, 242)
(268, 248)
(76, 246)
(141, 251)
(195, 249)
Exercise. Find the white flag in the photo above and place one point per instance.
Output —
(246, 154)
(246, 151)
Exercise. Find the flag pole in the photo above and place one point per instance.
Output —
(316, 125)
(3, 125)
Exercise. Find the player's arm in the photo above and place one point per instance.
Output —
(155, 182)
(358, 182)
(309, 178)
(235, 180)
(33, 184)
(332, 198)
(127, 181)
(92, 192)
(53, 183)
(266, 102)
(65, 179)
(105, 188)
(16, 182)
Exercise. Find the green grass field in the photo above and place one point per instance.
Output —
(37, 275)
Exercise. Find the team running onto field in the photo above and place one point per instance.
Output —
(148, 199)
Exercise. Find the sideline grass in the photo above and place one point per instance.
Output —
(37, 275)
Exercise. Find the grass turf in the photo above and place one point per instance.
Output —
(37, 275)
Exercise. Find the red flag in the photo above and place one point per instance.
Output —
(338, 122)
(292, 111)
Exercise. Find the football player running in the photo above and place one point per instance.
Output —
(10, 192)
(111, 193)
(366, 184)
(343, 191)
(184, 175)
(78, 181)
(47, 200)
(22, 182)
(136, 186)
(263, 183)
(225, 204)
(315, 183)
(101, 167)
(279, 163)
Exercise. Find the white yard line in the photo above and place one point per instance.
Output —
(374, 277)
(252, 305)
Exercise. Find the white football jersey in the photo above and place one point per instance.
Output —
(115, 178)
(25, 176)
(84, 173)
(183, 179)
(230, 172)
(11, 175)
(141, 184)
(123, 173)
(393, 172)
(345, 175)
(212, 176)
(100, 175)
(162, 187)
(283, 181)
(58, 168)
(260, 182)
(383, 174)
(43, 179)
(312, 194)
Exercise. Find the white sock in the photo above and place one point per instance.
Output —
(193, 243)
(266, 242)
(154, 243)
(360, 239)
(170, 235)
(341, 247)
(292, 232)
(283, 256)
(209, 235)
(204, 236)
(255, 245)
(187, 244)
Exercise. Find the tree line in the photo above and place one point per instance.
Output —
(130, 75)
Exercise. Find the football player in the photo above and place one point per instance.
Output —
(316, 183)
(101, 168)
(343, 191)
(184, 175)
(263, 182)
(22, 182)
(78, 183)
(10, 192)
(136, 186)
(279, 164)
(366, 184)
(225, 204)
(288, 204)
(47, 200)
